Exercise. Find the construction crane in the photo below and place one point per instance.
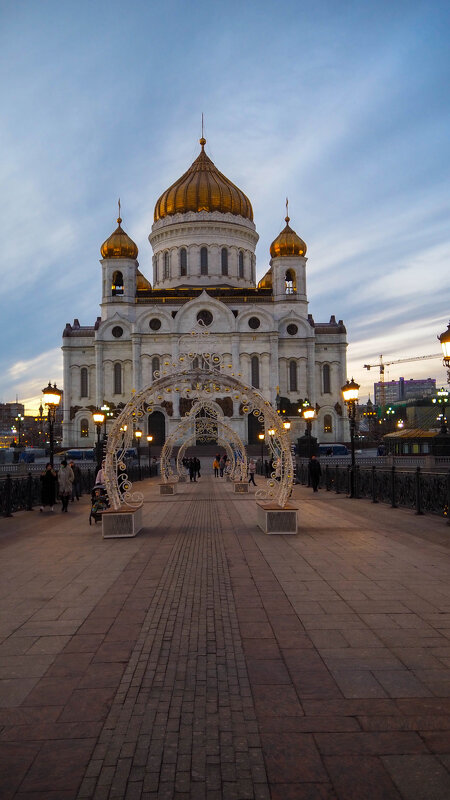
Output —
(382, 364)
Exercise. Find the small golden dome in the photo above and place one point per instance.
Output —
(266, 281)
(142, 284)
(203, 188)
(119, 245)
(287, 243)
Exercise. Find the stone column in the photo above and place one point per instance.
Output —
(136, 356)
(311, 372)
(99, 373)
(175, 395)
(274, 368)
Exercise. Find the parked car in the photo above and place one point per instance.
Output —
(333, 450)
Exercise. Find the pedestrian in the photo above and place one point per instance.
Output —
(192, 471)
(76, 485)
(222, 463)
(197, 466)
(65, 480)
(251, 471)
(100, 479)
(315, 471)
(267, 468)
(216, 466)
(48, 487)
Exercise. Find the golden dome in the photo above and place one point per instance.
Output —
(142, 284)
(119, 245)
(266, 281)
(203, 188)
(287, 243)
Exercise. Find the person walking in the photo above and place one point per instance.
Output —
(76, 485)
(267, 468)
(65, 480)
(315, 471)
(222, 464)
(197, 466)
(216, 466)
(251, 471)
(192, 470)
(48, 487)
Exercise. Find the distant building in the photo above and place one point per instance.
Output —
(396, 391)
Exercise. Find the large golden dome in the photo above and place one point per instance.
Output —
(119, 245)
(203, 188)
(287, 243)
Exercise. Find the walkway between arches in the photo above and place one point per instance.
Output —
(206, 660)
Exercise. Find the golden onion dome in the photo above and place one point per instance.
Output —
(119, 245)
(203, 188)
(142, 284)
(287, 243)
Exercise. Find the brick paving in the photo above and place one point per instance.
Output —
(204, 659)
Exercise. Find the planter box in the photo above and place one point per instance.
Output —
(121, 523)
(167, 488)
(271, 518)
(241, 488)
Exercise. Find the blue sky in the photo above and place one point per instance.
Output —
(341, 106)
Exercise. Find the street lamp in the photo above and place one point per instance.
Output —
(261, 438)
(444, 339)
(149, 442)
(19, 419)
(99, 418)
(51, 398)
(108, 413)
(138, 435)
(350, 393)
(442, 400)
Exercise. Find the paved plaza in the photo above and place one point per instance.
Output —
(204, 659)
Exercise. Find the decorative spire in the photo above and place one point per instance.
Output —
(287, 217)
(119, 219)
(202, 140)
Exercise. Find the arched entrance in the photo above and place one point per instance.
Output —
(204, 423)
(157, 428)
(199, 384)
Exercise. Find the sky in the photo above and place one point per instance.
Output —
(341, 106)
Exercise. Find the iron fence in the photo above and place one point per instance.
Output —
(422, 492)
(22, 493)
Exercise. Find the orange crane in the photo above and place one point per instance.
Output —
(382, 364)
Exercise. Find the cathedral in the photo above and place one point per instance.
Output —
(204, 274)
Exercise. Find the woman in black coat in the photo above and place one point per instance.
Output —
(48, 487)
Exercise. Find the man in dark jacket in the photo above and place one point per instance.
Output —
(315, 471)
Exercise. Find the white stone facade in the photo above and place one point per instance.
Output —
(205, 262)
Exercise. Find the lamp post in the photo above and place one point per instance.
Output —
(444, 339)
(149, 442)
(350, 393)
(99, 418)
(51, 398)
(108, 413)
(138, 435)
(19, 419)
(261, 438)
(308, 414)
(442, 400)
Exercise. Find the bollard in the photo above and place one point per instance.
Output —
(29, 492)
(374, 485)
(393, 503)
(8, 490)
(418, 492)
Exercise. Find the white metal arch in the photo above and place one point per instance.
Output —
(214, 379)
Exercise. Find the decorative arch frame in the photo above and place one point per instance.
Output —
(201, 385)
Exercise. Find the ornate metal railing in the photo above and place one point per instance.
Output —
(422, 492)
(23, 493)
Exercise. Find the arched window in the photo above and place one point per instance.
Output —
(166, 263)
(327, 424)
(84, 428)
(255, 372)
(241, 264)
(203, 261)
(155, 269)
(195, 363)
(289, 282)
(117, 284)
(253, 269)
(155, 366)
(292, 376)
(83, 382)
(117, 378)
(224, 261)
(326, 379)
(183, 261)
